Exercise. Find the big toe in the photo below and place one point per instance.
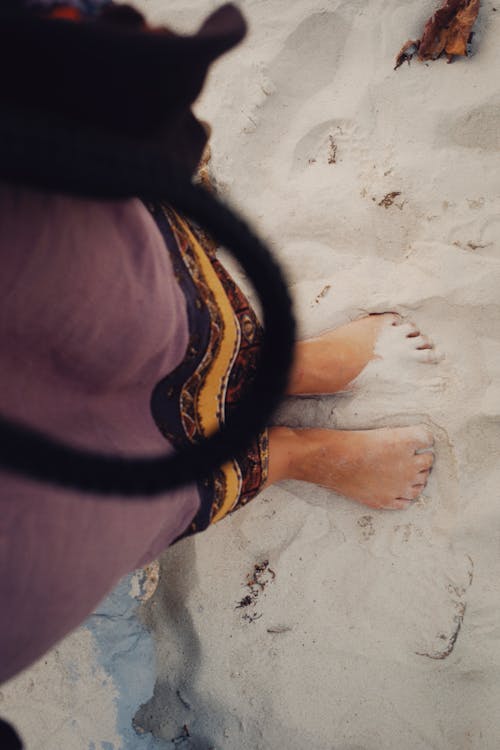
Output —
(422, 439)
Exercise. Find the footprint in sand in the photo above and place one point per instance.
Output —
(365, 524)
(477, 128)
(175, 699)
(479, 440)
(440, 643)
(310, 56)
(480, 234)
(331, 142)
(307, 63)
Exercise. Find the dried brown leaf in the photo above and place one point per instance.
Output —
(460, 29)
(448, 31)
(434, 37)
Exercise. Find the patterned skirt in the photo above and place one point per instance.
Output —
(221, 359)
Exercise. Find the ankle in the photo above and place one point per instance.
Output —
(319, 367)
(307, 372)
(284, 453)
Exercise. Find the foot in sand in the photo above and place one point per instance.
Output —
(329, 363)
(383, 468)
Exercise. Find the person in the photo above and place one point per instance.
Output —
(121, 332)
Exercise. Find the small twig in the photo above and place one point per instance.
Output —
(451, 642)
(279, 629)
(332, 150)
(183, 700)
(389, 199)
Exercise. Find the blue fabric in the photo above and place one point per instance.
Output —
(88, 7)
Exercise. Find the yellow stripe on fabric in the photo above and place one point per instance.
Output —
(232, 474)
(211, 396)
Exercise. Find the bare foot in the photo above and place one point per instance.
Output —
(329, 363)
(383, 468)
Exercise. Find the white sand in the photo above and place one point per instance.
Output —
(371, 601)
(380, 629)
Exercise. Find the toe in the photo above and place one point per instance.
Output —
(424, 462)
(409, 330)
(422, 342)
(414, 333)
(395, 319)
(391, 318)
(427, 355)
(400, 503)
(423, 437)
(423, 475)
(411, 493)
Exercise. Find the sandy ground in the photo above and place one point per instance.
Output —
(369, 630)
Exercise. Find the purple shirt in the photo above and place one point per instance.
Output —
(91, 318)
